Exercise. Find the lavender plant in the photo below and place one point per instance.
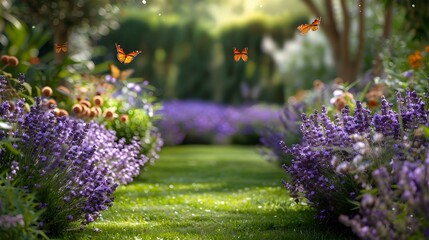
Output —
(56, 164)
(334, 162)
(288, 131)
(122, 161)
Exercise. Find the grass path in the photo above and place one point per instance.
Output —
(206, 192)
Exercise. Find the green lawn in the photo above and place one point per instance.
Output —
(206, 192)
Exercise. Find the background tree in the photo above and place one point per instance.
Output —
(64, 15)
(337, 29)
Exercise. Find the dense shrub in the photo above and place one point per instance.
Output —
(18, 210)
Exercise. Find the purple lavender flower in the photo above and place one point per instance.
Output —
(408, 74)
(208, 122)
(337, 155)
(59, 166)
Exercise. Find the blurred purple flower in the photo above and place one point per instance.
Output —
(212, 122)
(408, 74)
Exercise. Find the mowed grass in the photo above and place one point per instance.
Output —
(206, 192)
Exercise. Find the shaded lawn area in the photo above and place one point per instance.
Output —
(206, 192)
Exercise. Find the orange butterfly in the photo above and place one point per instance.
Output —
(123, 57)
(61, 47)
(118, 74)
(238, 54)
(304, 28)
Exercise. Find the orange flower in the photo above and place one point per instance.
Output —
(318, 85)
(51, 102)
(109, 114)
(416, 59)
(77, 108)
(46, 91)
(63, 112)
(98, 101)
(124, 118)
(427, 48)
(373, 104)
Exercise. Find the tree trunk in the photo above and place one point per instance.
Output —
(347, 67)
(61, 34)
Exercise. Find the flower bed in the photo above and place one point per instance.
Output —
(62, 165)
(204, 122)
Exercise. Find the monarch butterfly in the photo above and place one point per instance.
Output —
(123, 57)
(118, 74)
(304, 28)
(238, 54)
(61, 47)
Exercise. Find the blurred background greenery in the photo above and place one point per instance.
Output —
(187, 45)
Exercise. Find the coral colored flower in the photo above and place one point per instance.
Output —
(46, 91)
(416, 59)
(124, 118)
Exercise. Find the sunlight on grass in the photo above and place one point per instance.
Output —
(201, 192)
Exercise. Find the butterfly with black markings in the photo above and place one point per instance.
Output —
(242, 54)
(304, 28)
(61, 47)
(123, 57)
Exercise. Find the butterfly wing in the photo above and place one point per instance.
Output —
(126, 74)
(244, 54)
(304, 28)
(65, 47)
(114, 71)
(130, 56)
(237, 54)
(120, 53)
(315, 24)
(57, 48)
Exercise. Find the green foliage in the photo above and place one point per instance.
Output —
(186, 59)
(16, 203)
(22, 41)
(68, 13)
(140, 108)
(416, 18)
(400, 72)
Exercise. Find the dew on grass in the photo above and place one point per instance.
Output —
(259, 206)
(208, 210)
(171, 186)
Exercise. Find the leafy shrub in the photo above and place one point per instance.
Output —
(138, 110)
(405, 67)
(18, 211)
